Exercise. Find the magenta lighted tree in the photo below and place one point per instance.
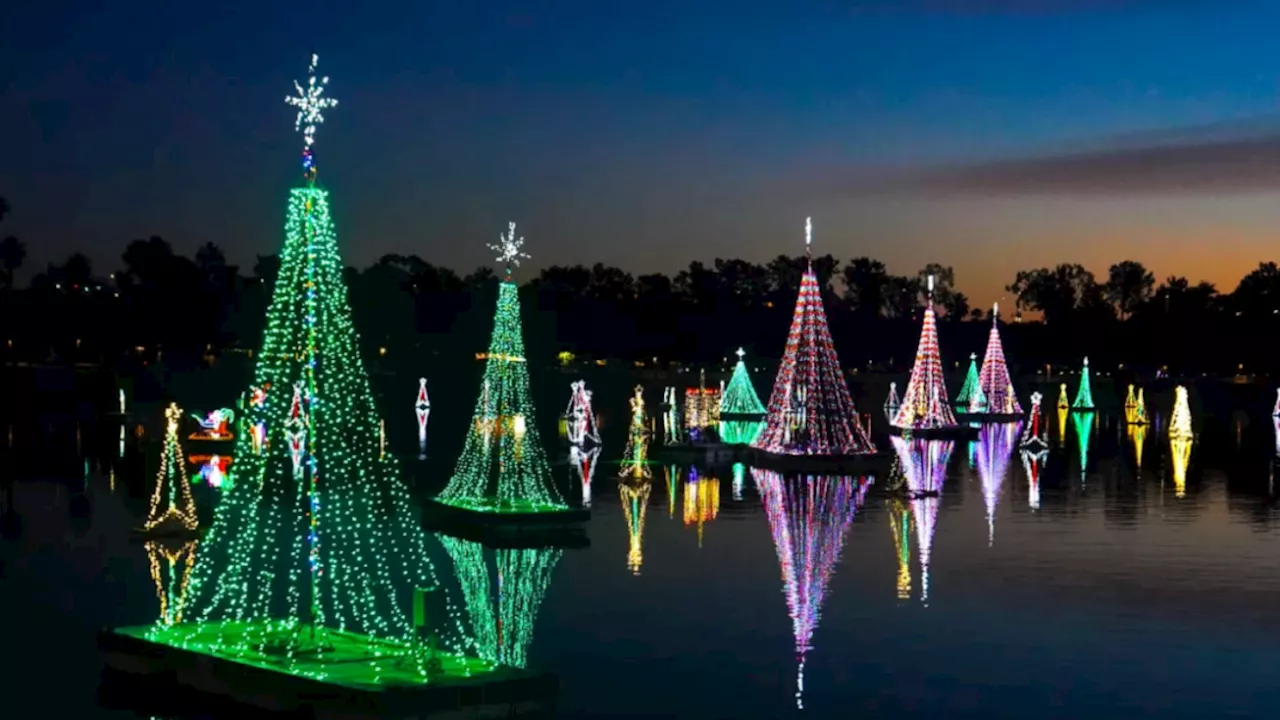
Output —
(925, 405)
(810, 411)
(996, 389)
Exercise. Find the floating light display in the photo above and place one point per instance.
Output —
(172, 507)
(924, 463)
(1084, 394)
(671, 432)
(215, 426)
(1180, 421)
(635, 456)
(1130, 404)
(170, 564)
(313, 544)
(503, 603)
(809, 518)
(810, 411)
(902, 524)
(701, 501)
(1180, 459)
(1035, 433)
(924, 404)
(970, 394)
(635, 502)
(213, 469)
(502, 468)
(1083, 423)
(995, 448)
(583, 461)
(1140, 416)
(701, 407)
(1063, 403)
(1033, 464)
(995, 394)
(580, 418)
(740, 397)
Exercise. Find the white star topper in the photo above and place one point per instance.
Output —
(310, 103)
(508, 248)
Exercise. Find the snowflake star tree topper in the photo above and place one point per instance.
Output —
(508, 249)
(310, 102)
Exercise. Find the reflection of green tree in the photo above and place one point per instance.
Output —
(503, 604)
(1083, 423)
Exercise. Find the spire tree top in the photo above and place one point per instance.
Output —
(973, 356)
(740, 353)
(508, 249)
(808, 238)
(995, 310)
(311, 103)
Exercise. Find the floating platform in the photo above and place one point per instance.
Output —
(174, 533)
(749, 417)
(358, 677)
(512, 517)
(864, 464)
(948, 432)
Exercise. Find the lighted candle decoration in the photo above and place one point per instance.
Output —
(1180, 421)
(893, 402)
(1035, 434)
(809, 518)
(422, 411)
(995, 448)
(1063, 404)
(810, 411)
(924, 462)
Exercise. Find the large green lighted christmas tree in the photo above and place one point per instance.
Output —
(314, 551)
(740, 396)
(503, 468)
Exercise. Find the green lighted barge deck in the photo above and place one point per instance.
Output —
(359, 676)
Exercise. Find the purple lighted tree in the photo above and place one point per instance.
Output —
(808, 517)
(924, 462)
(810, 410)
(995, 447)
(997, 388)
(925, 405)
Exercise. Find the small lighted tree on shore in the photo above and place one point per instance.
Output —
(503, 468)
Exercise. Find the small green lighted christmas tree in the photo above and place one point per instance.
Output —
(740, 396)
(503, 468)
(971, 388)
(1084, 395)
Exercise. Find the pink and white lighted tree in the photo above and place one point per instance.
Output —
(808, 517)
(997, 388)
(924, 404)
(810, 410)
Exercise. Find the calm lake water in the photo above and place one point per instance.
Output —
(1105, 588)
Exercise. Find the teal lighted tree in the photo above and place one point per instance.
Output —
(313, 548)
(1084, 394)
(503, 468)
(971, 388)
(740, 396)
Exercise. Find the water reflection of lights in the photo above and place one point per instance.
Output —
(925, 464)
(808, 518)
(1180, 458)
(1083, 423)
(995, 447)
(635, 503)
(701, 501)
(170, 569)
(1033, 463)
(583, 462)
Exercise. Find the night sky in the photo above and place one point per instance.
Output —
(990, 136)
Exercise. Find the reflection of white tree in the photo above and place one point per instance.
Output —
(925, 464)
(995, 446)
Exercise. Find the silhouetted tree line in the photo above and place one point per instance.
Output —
(189, 307)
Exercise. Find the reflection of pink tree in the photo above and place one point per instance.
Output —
(808, 517)
(924, 462)
(995, 446)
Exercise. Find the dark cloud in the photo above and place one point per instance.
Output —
(1203, 160)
